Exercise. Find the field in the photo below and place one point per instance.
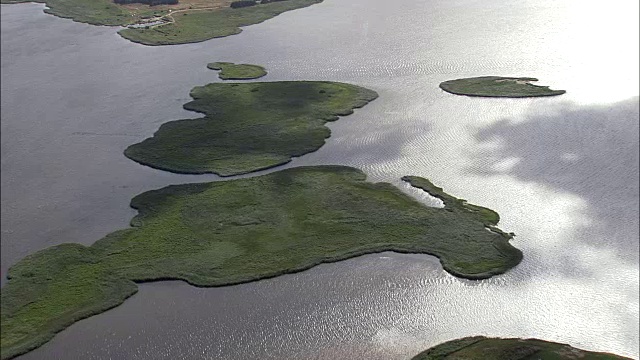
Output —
(203, 24)
(186, 22)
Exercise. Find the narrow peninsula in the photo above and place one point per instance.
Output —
(231, 71)
(497, 86)
(169, 22)
(230, 232)
(484, 348)
(249, 126)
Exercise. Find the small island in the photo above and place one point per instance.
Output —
(497, 86)
(249, 126)
(236, 231)
(168, 22)
(484, 348)
(231, 71)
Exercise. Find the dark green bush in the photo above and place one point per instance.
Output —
(147, 2)
(242, 3)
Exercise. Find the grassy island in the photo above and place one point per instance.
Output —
(230, 232)
(188, 21)
(249, 126)
(483, 348)
(497, 86)
(231, 71)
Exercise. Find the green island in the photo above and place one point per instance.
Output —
(249, 126)
(497, 86)
(236, 231)
(231, 71)
(162, 22)
(484, 348)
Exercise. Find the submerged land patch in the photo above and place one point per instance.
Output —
(249, 126)
(230, 232)
(231, 71)
(497, 86)
(188, 21)
(483, 348)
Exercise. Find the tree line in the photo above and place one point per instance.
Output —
(147, 2)
(245, 3)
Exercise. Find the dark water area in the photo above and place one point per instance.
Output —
(562, 172)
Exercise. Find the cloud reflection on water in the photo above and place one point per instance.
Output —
(589, 151)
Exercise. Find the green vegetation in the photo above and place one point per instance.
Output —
(496, 86)
(231, 71)
(147, 2)
(208, 24)
(203, 23)
(489, 217)
(243, 3)
(229, 232)
(96, 12)
(483, 348)
(249, 126)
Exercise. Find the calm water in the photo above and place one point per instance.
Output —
(562, 172)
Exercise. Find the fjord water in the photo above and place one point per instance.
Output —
(561, 171)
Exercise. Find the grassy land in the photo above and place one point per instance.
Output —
(229, 232)
(96, 12)
(197, 26)
(482, 348)
(489, 217)
(231, 71)
(496, 86)
(249, 126)
(192, 20)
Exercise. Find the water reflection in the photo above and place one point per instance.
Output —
(589, 151)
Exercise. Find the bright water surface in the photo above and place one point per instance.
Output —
(562, 172)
